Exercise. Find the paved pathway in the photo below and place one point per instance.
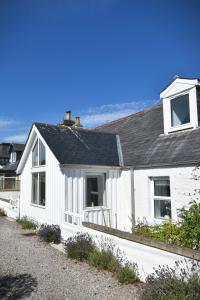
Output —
(31, 269)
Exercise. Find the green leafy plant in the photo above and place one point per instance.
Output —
(2, 213)
(50, 233)
(104, 260)
(26, 223)
(190, 225)
(127, 274)
(185, 233)
(79, 246)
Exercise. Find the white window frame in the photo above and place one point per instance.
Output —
(95, 175)
(38, 190)
(38, 140)
(168, 198)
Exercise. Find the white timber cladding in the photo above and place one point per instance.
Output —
(55, 186)
(66, 192)
(182, 187)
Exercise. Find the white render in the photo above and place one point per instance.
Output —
(182, 186)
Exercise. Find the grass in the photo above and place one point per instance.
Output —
(26, 223)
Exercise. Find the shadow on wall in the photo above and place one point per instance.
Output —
(16, 287)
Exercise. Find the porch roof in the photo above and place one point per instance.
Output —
(80, 146)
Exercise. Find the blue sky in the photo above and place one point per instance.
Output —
(102, 59)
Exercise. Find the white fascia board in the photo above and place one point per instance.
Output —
(189, 83)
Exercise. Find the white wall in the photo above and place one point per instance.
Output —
(182, 187)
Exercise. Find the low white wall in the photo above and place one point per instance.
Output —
(9, 201)
(146, 257)
(182, 186)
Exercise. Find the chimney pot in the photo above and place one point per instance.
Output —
(68, 115)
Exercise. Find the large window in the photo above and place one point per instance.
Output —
(162, 198)
(39, 154)
(180, 111)
(94, 190)
(39, 188)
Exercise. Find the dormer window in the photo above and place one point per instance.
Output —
(180, 111)
(39, 154)
(181, 105)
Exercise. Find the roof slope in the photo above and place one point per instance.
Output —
(80, 146)
(144, 144)
(17, 147)
(4, 150)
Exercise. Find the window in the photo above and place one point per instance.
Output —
(39, 188)
(180, 111)
(94, 190)
(162, 198)
(39, 154)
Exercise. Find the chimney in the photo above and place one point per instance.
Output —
(68, 115)
(77, 122)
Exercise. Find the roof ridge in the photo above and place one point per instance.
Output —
(131, 115)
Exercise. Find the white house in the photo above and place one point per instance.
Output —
(137, 167)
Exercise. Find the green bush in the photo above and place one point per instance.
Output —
(185, 233)
(127, 274)
(179, 283)
(2, 212)
(104, 260)
(79, 246)
(26, 223)
(190, 225)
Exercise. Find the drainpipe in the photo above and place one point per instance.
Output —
(132, 198)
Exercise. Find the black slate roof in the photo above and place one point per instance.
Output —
(80, 146)
(17, 147)
(144, 144)
(4, 150)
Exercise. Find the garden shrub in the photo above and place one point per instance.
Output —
(26, 223)
(185, 233)
(50, 233)
(104, 259)
(79, 246)
(190, 225)
(127, 274)
(179, 283)
(2, 212)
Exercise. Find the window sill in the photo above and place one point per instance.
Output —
(181, 127)
(37, 205)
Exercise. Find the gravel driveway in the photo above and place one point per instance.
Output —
(31, 269)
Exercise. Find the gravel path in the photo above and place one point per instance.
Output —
(31, 269)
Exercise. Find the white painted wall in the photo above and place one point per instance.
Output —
(182, 187)
(146, 257)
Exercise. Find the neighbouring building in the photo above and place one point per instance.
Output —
(137, 167)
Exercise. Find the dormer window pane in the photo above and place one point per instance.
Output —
(180, 111)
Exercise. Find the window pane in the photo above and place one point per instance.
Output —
(92, 191)
(35, 154)
(34, 188)
(161, 187)
(42, 189)
(162, 209)
(42, 155)
(180, 112)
